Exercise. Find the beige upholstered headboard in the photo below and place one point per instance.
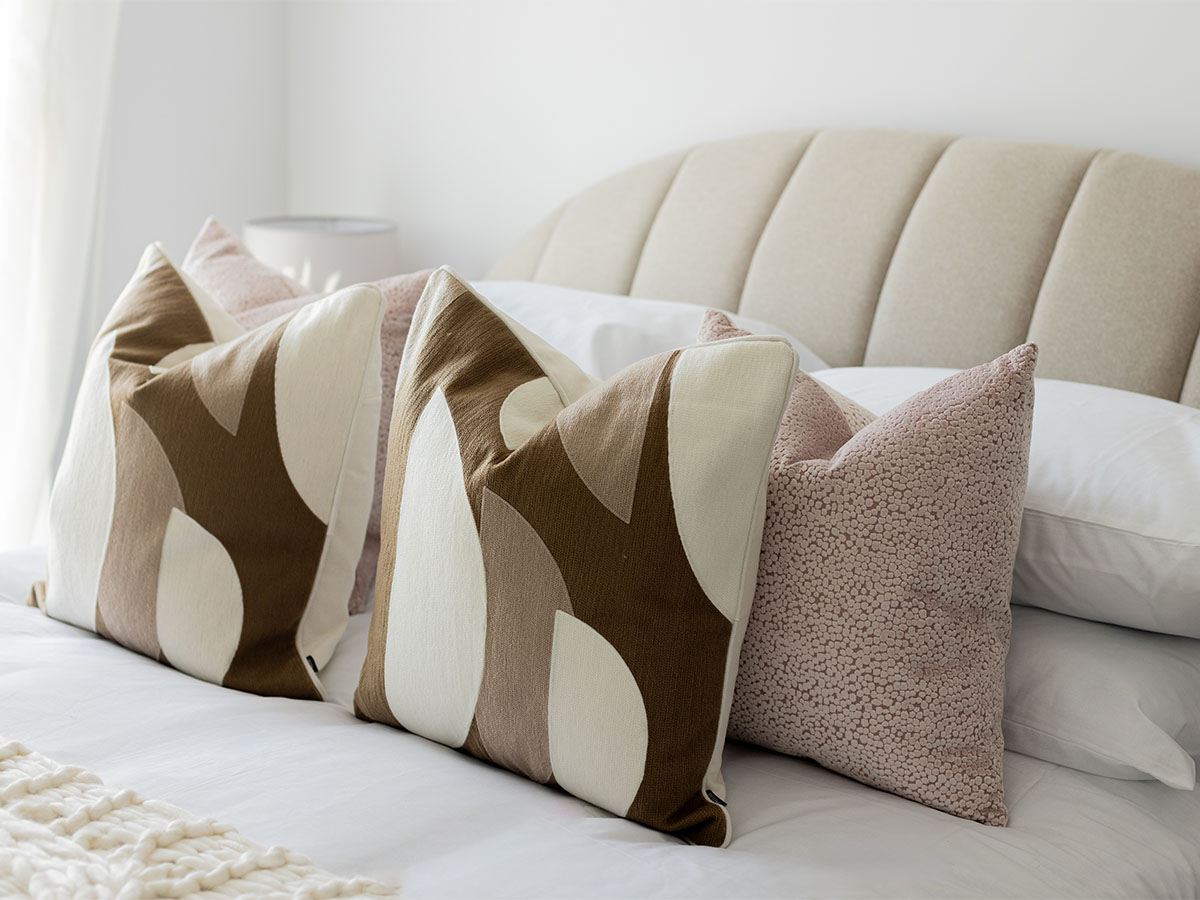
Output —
(898, 248)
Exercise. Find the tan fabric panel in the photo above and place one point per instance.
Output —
(968, 266)
(821, 261)
(599, 237)
(1121, 301)
(520, 263)
(700, 244)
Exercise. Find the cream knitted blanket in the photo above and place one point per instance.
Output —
(65, 836)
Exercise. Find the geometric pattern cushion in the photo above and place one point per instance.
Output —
(254, 293)
(881, 619)
(213, 495)
(567, 566)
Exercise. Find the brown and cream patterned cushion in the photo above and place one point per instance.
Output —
(881, 619)
(254, 293)
(210, 507)
(567, 566)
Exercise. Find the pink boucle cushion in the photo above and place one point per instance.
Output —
(255, 293)
(877, 640)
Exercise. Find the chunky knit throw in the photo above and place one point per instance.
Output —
(64, 834)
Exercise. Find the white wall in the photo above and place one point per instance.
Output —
(467, 121)
(197, 126)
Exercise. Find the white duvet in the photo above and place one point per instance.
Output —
(364, 799)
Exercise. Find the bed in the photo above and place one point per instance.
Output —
(875, 248)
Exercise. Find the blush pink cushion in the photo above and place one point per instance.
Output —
(880, 626)
(255, 293)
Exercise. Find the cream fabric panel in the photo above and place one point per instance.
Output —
(820, 264)
(968, 266)
(599, 237)
(521, 261)
(1121, 302)
(700, 244)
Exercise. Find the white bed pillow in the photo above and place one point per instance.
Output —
(1102, 699)
(1111, 530)
(604, 333)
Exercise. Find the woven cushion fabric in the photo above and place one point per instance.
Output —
(567, 565)
(214, 491)
(255, 293)
(881, 617)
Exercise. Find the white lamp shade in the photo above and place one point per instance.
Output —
(326, 252)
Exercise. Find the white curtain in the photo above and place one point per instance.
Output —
(56, 59)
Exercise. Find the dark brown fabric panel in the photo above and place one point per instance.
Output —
(644, 600)
(276, 556)
(154, 317)
(172, 454)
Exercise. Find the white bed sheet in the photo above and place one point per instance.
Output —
(366, 799)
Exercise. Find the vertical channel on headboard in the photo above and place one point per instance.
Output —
(967, 270)
(703, 237)
(1120, 305)
(819, 266)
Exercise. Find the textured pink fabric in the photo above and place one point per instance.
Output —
(255, 293)
(880, 626)
(221, 264)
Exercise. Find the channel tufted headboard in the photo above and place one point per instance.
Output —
(899, 248)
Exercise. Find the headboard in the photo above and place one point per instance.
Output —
(900, 248)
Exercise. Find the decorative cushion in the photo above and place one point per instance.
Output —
(256, 293)
(881, 618)
(567, 565)
(1112, 701)
(1111, 531)
(215, 486)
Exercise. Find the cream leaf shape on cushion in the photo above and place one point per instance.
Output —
(715, 501)
(598, 729)
(433, 661)
(318, 377)
(199, 610)
(81, 503)
(527, 409)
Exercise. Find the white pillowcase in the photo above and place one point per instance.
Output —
(1106, 700)
(1111, 530)
(604, 333)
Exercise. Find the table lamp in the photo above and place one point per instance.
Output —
(325, 252)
